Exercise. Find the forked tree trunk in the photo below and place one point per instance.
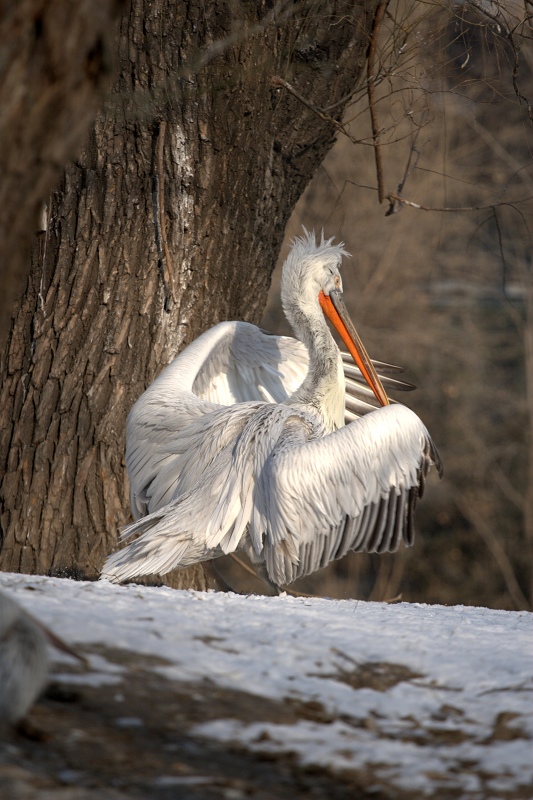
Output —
(169, 221)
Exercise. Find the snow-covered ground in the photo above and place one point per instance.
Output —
(428, 698)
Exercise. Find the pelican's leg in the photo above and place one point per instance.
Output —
(262, 574)
(214, 579)
(258, 570)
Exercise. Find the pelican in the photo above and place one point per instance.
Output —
(241, 443)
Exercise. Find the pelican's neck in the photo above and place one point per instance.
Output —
(324, 386)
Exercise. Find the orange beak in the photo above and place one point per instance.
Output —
(337, 313)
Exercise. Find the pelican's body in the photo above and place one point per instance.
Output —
(241, 443)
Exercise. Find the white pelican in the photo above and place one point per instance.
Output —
(241, 443)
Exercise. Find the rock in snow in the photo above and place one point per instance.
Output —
(23, 660)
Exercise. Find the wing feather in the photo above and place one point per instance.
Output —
(373, 541)
(344, 537)
(355, 489)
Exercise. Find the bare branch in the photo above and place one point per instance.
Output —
(341, 127)
(280, 82)
(502, 22)
(403, 201)
(371, 66)
(468, 511)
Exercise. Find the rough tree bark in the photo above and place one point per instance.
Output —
(528, 502)
(54, 67)
(169, 221)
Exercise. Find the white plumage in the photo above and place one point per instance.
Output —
(241, 443)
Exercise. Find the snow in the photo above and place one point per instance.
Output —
(427, 697)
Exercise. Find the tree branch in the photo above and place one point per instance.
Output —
(371, 59)
(402, 201)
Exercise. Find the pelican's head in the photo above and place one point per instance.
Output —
(311, 283)
(310, 268)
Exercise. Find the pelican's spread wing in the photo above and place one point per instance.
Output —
(211, 517)
(236, 362)
(246, 363)
(173, 431)
(305, 501)
(355, 489)
(166, 462)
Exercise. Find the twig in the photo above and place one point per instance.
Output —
(495, 547)
(521, 96)
(502, 253)
(244, 566)
(502, 24)
(322, 113)
(277, 81)
(407, 170)
(402, 201)
(371, 56)
(392, 209)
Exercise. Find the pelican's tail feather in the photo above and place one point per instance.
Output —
(207, 522)
(160, 547)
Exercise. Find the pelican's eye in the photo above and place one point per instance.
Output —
(337, 282)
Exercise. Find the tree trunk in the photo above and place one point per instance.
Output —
(169, 221)
(528, 500)
(56, 62)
